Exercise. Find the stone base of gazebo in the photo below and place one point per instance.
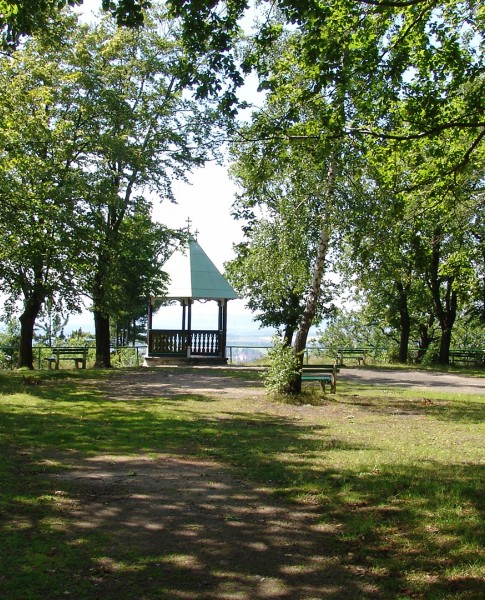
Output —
(181, 361)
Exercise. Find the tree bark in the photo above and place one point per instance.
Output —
(405, 323)
(288, 335)
(447, 320)
(27, 324)
(103, 346)
(445, 308)
(318, 272)
(425, 338)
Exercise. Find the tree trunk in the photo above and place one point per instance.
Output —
(318, 272)
(288, 335)
(447, 320)
(103, 349)
(445, 343)
(405, 323)
(425, 338)
(446, 308)
(27, 324)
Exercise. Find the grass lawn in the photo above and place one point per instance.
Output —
(396, 478)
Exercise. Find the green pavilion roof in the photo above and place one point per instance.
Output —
(193, 275)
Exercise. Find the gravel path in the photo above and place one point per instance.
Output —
(422, 380)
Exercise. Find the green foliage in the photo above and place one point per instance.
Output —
(431, 356)
(468, 333)
(79, 337)
(19, 18)
(283, 204)
(270, 274)
(355, 329)
(358, 328)
(284, 366)
(9, 342)
(10, 333)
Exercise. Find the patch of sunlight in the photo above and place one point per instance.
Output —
(109, 565)
(183, 560)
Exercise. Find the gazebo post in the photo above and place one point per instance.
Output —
(189, 315)
(184, 312)
(189, 326)
(224, 327)
(220, 324)
(150, 322)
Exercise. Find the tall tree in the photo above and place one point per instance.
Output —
(282, 182)
(40, 179)
(91, 123)
(145, 130)
(271, 270)
(420, 268)
(126, 272)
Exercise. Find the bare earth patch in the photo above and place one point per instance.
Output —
(201, 532)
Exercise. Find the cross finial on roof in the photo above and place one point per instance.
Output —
(188, 221)
(196, 233)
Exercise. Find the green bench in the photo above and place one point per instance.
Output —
(322, 373)
(477, 357)
(76, 353)
(354, 353)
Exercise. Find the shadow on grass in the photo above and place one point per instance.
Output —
(81, 518)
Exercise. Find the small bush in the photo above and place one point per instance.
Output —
(283, 367)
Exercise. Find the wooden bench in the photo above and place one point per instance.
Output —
(355, 353)
(322, 373)
(477, 357)
(76, 353)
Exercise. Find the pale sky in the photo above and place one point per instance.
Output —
(207, 202)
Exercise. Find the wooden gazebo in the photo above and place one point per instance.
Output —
(192, 277)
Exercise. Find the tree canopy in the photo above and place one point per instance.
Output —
(19, 18)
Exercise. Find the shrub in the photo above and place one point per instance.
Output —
(283, 367)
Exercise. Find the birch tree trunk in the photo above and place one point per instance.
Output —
(317, 278)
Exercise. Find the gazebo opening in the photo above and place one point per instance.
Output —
(193, 280)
